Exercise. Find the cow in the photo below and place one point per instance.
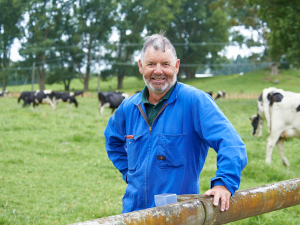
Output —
(221, 94)
(282, 114)
(26, 97)
(65, 97)
(4, 93)
(43, 97)
(76, 93)
(210, 93)
(257, 120)
(111, 99)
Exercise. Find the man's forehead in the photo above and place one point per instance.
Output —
(151, 52)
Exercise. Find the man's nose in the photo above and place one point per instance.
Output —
(158, 69)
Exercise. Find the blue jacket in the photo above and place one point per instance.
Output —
(169, 156)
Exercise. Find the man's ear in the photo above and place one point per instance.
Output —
(140, 67)
(177, 66)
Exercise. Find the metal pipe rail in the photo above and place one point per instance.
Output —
(199, 209)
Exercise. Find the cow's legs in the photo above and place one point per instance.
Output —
(271, 141)
(103, 106)
(51, 104)
(48, 101)
(280, 145)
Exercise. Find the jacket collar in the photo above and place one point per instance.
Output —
(172, 98)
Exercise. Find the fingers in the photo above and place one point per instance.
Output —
(223, 203)
(220, 194)
(227, 204)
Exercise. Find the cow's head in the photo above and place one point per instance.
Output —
(256, 123)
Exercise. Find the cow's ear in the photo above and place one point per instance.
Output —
(141, 67)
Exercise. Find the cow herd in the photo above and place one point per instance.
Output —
(280, 110)
(48, 97)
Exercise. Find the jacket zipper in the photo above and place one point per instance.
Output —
(146, 118)
(150, 128)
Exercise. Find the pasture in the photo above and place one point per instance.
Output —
(54, 168)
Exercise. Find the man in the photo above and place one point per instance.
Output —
(159, 139)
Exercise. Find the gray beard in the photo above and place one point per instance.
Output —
(159, 90)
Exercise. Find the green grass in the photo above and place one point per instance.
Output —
(54, 168)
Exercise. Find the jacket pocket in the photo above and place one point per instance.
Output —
(171, 150)
(133, 151)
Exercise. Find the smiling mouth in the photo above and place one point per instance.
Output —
(157, 78)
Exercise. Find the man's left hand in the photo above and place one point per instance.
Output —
(220, 192)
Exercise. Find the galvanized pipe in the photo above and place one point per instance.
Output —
(199, 209)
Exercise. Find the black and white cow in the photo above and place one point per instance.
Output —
(282, 114)
(65, 97)
(210, 93)
(111, 99)
(221, 94)
(76, 93)
(260, 118)
(4, 93)
(26, 97)
(43, 97)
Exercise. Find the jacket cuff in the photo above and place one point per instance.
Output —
(219, 181)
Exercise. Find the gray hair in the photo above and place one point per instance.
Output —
(158, 42)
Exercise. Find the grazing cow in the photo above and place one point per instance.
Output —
(210, 93)
(26, 97)
(221, 94)
(111, 100)
(257, 120)
(65, 97)
(78, 93)
(282, 113)
(43, 97)
(4, 93)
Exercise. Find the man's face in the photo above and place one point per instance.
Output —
(159, 70)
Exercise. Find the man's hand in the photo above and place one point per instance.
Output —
(220, 192)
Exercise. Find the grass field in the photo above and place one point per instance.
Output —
(54, 168)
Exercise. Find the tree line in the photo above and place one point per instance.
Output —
(70, 39)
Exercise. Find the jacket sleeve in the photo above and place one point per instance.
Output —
(218, 133)
(115, 141)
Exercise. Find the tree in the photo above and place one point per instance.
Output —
(10, 28)
(283, 20)
(199, 32)
(41, 31)
(90, 27)
(62, 71)
(62, 68)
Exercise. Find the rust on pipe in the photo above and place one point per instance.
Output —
(199, 209)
